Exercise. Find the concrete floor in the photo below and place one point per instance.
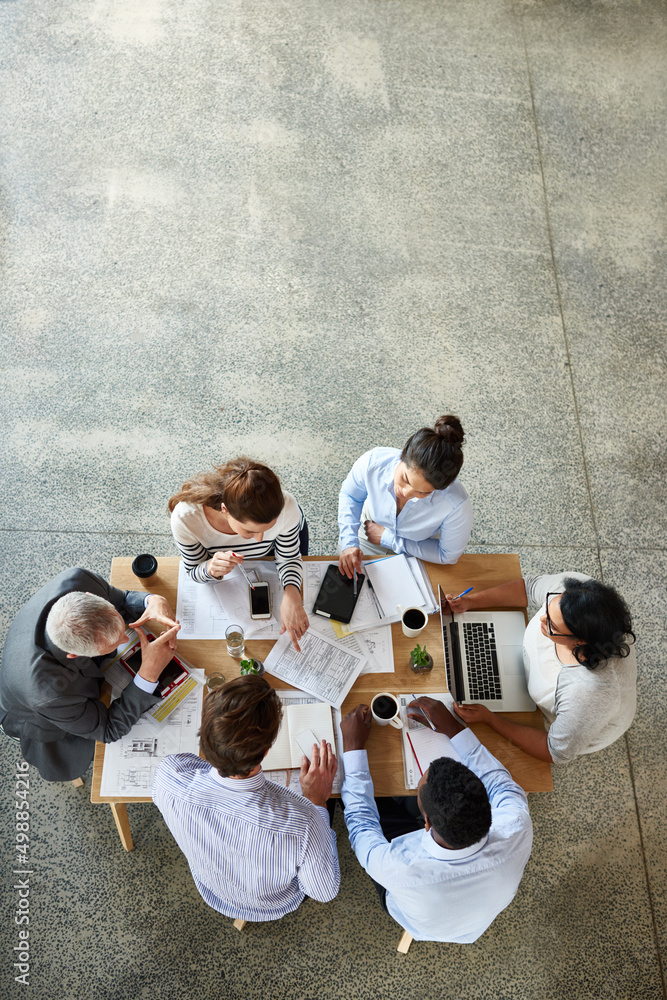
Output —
(298, 230)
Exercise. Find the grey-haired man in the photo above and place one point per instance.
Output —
(52, 665)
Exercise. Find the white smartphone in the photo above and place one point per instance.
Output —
(260, 600)
(305, 741)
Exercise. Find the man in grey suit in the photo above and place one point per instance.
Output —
(52, 665)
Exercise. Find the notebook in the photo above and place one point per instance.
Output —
(285, 752)
(484, 658)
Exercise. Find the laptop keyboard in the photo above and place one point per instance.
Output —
(482, 661)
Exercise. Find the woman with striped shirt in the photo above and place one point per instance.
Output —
(237, 510)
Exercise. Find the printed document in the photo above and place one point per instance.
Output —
(323, 667)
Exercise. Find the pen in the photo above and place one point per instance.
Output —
(248, 580)
(354, 590)
(464, 593)
(425, 715)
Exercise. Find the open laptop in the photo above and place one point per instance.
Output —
(484, 658)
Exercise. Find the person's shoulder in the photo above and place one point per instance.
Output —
(380, 459)
(294, 806)
(185, 511)
(291, 510)
(181, 766)
(456, 493)
(188, 516)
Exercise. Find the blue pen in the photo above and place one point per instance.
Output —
(464, 593)
(424, 714)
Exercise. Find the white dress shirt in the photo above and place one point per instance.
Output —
(446, 513)
(434, 893)
(255, 849)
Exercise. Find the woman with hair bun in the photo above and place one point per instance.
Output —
(237, 510)
(407, 501)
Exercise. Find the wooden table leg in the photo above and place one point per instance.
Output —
(119, 810)
(77, 782)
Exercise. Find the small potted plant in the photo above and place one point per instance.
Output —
(251, 667)
(420, 660)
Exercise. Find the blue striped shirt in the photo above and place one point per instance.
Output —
(198, 541)
(255, 849)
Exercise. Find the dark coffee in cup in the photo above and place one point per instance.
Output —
(414, 618)
(385, 707)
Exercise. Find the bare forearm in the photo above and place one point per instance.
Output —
(532, 741)
(506, 595)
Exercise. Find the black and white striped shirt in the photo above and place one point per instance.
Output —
(198, 541)
(255, 849)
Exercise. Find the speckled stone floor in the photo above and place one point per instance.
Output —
(299, 230)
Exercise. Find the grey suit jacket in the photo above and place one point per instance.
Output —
(52, 704)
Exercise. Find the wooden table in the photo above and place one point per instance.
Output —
(384, 743)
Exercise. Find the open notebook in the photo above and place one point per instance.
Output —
(285, 752)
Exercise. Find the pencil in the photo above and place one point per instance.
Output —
(414, 753)
(354, 591)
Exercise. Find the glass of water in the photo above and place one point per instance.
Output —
(235, 645)
(214, 681)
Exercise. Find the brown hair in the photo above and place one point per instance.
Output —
(240, 721)
(436, 452)
(249, 490)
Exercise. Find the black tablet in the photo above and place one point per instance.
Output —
(336, 598)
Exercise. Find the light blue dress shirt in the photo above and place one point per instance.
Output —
(447, 512)
(255, 849)
(434, 893)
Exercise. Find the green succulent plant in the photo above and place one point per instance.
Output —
(249, 667)
(419, 656)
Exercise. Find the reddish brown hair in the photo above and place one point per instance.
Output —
(240, 722)
(249, 490)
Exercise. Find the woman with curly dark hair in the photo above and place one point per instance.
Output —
(579, 659)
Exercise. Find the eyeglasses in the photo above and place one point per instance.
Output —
(550, 628)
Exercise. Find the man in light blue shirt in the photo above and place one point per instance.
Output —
(448, 880)
(255, 849)
(407, 501)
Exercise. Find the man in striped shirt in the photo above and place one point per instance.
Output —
(255, 849)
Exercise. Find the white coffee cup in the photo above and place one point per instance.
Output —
(394, 720)
(412, 632)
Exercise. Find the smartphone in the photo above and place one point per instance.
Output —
(260, 600)
(305, 741)
(171, 676)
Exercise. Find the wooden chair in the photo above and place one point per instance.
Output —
(240, 924)
(404, 943)
(77, 782)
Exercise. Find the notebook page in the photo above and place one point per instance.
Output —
(394, 584)
(316, 717)
(428, 746)
(279, 756)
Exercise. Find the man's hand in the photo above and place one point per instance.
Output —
(374, 532)
(351, 559)
(156, 655)
(440, 716)
(474, 713)
(317, 774)
(355, 728)
(293, 617)
(222, 563)
(158, 609)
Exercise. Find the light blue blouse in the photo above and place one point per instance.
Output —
(445, 512)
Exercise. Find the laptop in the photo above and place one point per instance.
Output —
(484, 658)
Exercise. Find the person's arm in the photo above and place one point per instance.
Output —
(361, 814)
(527, 738)
(506, 595)
(194, 555)
(454, 534)
(351, 499)
(319, 871)
(286, 548)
